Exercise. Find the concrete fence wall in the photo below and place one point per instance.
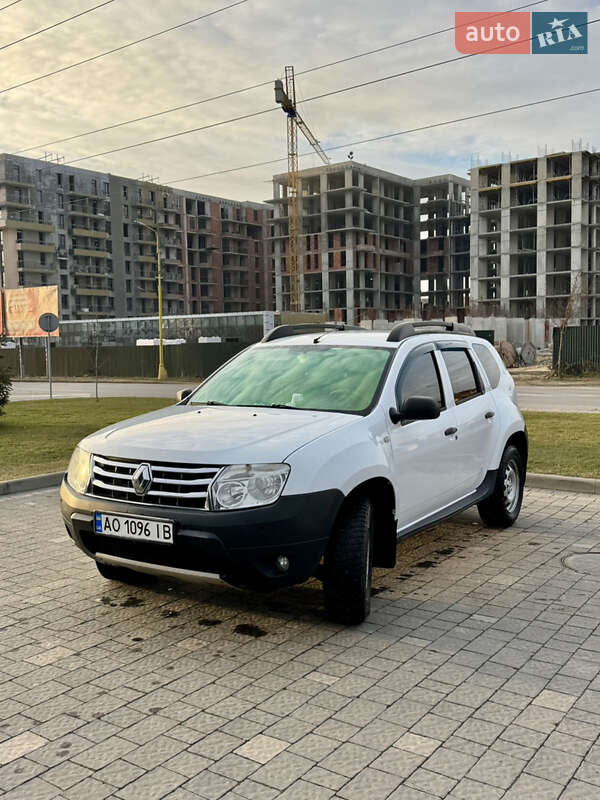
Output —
(181, 361)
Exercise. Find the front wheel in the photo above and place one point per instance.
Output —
(348, 565)
(502, 507)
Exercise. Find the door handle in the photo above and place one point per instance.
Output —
(450, 431)
(490, 414)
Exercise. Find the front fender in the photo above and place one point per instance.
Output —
(342, 459)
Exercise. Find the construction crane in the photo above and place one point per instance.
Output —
(286, 97)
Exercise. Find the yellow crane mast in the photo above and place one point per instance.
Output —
(286, 97)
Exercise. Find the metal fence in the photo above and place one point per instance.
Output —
(181, 361)
(580, 350)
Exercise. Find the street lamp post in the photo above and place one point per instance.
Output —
(162, 372)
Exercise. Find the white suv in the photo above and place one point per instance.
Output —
(310, 453)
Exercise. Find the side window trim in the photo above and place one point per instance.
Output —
(419, 351)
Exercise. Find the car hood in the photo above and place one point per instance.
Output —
(215, 435)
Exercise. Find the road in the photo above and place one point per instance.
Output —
(555, 397)
(565, 397)
(474, 677)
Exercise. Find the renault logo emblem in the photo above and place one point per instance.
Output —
(142, 479)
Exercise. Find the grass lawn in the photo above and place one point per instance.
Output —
(39, 436)
(564, 444)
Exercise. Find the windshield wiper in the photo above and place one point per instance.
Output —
(209, 403)
(282, 405)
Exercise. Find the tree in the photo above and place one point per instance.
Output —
(5, 381)
(574, 296)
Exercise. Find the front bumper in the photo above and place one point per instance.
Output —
(241, 547)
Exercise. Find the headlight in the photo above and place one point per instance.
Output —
(248, 485)
(78, 474)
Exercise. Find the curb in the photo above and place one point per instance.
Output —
(46, 481)
(563, 483)
(535, 480)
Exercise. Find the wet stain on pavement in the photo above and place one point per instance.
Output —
(132, 602)
(209, 623)
(249, 630)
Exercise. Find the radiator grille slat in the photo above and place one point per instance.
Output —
(184, 485)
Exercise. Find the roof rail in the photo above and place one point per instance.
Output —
(406, 329)
(282, 331)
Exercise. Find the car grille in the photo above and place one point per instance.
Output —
(183, 485)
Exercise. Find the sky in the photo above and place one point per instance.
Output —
(252, 43)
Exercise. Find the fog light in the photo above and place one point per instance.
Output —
(283, 563)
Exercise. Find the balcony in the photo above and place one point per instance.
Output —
(34, 247)
(85, 253)
(89, 232)
(22, 225)
(82, 291)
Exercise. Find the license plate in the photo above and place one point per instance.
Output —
(125, 527)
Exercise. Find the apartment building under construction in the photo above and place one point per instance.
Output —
(79, 229)
(374, 244)
(535, 237)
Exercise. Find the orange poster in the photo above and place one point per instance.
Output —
(23, 308)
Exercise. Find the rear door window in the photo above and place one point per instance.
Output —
(463, 377)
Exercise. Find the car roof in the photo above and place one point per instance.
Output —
(358, 338)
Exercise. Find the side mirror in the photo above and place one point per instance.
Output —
(415, 408)
(182, 394)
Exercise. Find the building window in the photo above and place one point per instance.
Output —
(61, 220)
(128, 267)
(59, 179)
(40, 196)
(38, 175)
(71, 183)
(330, 260)
(124, 193)
(61, 201)
(41, 217)
(125, 212)
(94, 186)
(125, 230)
(128, 287)
(43, 259)
(64, 300)
(62, 240)
(105, 188)
(343, 258)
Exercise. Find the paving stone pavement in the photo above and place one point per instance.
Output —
(476, 675)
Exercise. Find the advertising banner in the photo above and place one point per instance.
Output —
(23, 308)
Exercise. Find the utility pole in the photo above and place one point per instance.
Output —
(162, 372)
(287, 100)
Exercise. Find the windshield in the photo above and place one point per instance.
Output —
(314, 377)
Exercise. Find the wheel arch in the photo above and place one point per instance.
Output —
(520, 441)
(382, 495)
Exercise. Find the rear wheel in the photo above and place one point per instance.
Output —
(348, 565)
(123, 575)
(502, 507)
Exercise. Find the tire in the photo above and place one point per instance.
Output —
(502, 507)
(123, 575)
(348, 565)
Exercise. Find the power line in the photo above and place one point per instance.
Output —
(121, 47)
(396, 133)
(56, 24)
(264, 83)
(8, 5)
(321, 96)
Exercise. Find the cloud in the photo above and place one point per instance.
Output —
(252, 43)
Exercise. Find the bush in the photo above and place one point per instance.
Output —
(5, 383)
